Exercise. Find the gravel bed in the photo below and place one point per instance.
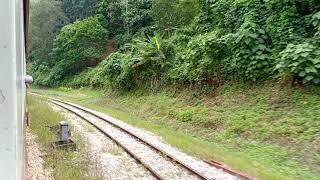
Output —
(110, 161)
(160, 164)
(163, 166)
(34, 167)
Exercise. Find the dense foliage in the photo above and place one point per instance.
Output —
(195, 46)
(79, 9)
(171, 14)
(124, 18)
(46, 18)
(188, 42)
(78, 45)
(302, 60)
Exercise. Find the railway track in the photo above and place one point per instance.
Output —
(161, 160)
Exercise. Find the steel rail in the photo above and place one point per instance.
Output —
(227, 169)
(152, 171)
(200, 175)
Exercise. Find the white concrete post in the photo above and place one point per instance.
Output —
(64, 131)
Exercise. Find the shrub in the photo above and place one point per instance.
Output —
(201, 59)
(302, 60)
(78, 46)
(116, 71)
(150, 59)
(84, 79)
(251, 53)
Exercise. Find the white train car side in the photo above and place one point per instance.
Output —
(12, 88)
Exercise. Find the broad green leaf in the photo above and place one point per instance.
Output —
(253, 36)
(310, 70)
(261, 47)
(309, 78)
(247, 40)
(299, 50)
(302, 74)
(278, 66)
(262, 31)
(316, 80)
(262, 56)
(295, 57)
(261, 40)
(293, 69)
(316, 61)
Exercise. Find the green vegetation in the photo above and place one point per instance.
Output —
(268, 131)
(79, 45)
(178, 13)
(208, 42)
(46, 18)
(302, 60)
(78, 9)
(65, 164)
(236, 75)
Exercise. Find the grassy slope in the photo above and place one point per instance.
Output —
(65, 165)
(266, 130)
